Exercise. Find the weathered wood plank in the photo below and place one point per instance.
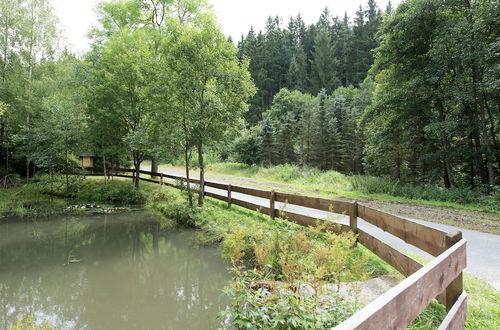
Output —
(149, 180)
(403, 263)
(251, 191)
(219, 197)
(455, 319)
(251, 206)
(454, 290)
(216, 185)
(315, 203)
(400, 305)
(272, 204)
(353, 217)
(307, 221)
(124, 170)
(426, 238)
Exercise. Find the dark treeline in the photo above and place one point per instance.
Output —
(411, 93)
(326, 55)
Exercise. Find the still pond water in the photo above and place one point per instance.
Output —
(119, 271)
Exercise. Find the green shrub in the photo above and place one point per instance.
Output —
(181, 213)
(376, 185)
(286, 307)
(29, 323)
(123, 193)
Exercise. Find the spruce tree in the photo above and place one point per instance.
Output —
(324, 73)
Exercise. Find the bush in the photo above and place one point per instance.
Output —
(180, 213)
(284, 308)
(375, 185)
(29, 323)
(59, 185)
(123, 193)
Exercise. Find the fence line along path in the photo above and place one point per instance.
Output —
(440, 279)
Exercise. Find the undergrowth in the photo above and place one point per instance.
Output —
(286, 276)
(333, 182)
(44, 195)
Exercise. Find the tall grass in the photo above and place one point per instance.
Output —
(333, 182)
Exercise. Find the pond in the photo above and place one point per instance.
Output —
(120, 271)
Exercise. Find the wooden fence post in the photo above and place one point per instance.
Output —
(229, 195)
(353, 217)
(454, 290)
(271, 204)
(161, 179)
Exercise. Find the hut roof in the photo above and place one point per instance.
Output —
(86, 154)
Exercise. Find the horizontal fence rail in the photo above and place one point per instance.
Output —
(440, 279)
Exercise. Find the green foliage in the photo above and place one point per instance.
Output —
(182, 214)
(28, 200)
(289, 309)
(322, 132)
(121, 193)
(331, 53)
(391, 187)
(429, 121)
(29, 323)
(430, 318)
(247, 149)
(277, 253)
(332, 182)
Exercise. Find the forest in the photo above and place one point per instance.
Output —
(409, 93)
(390, 116)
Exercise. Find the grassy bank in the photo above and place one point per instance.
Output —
(43, 196)
(285, 275)
(358, 187)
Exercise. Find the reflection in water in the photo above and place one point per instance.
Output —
(108, 272)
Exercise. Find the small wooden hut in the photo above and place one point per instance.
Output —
(86, 160)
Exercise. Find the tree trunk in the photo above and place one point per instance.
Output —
(154, 166)
(137, 166)
(445, 144)
(137, 175)
(480, 98)
(398, 166)
(471, 164)
(201, 164)
(493, 134)
(188, 186)
(105, 169)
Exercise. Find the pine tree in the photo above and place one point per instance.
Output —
(324, 73)
(268, 149)
(297, 72)
(319, 150)
(306, 134)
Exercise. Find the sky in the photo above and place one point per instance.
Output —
(235, 16)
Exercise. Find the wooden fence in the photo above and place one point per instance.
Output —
(440, 279)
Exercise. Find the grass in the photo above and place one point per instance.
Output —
(40, 197)
(483, 306)
(28, 201)
(335, 183)
(482, 216)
